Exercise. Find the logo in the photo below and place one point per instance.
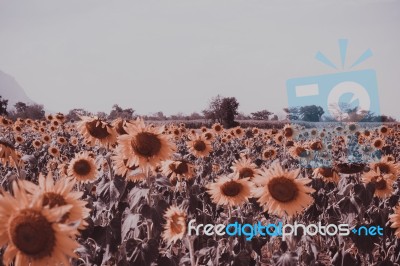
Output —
(280, 229)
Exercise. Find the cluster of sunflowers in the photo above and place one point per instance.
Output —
(121, 192)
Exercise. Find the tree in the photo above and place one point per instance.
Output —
(20, 107)
(73, 115)
(222, 110)
(292, 113)
(3, 106)
(261, 115)
(118, 112)
(311, 113)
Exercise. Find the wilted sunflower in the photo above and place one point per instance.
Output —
(395, 220)
(144, 146)
(244, 167)
(383, 183)
(175, 228)
(230, 191)
(327, 174)
(177, 169)
(131, 173)
(82, 168)
(33, 234)
(299, 151)
(7, 151)
(281, 192)
(58, 194)
(199, 146)
(96, 130)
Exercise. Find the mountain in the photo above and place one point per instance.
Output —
(12, 91)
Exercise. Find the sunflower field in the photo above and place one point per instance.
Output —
(97, 192)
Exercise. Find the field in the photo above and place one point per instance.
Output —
(95, 192)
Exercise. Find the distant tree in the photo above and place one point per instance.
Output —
(195, 116)
(118, 112)
(222, 110)
(242, 116)
(101, 115)
(275, 118)
(74, 114)
(311, 113)
(23, 110)
(261, 115)
(292, 113)
(3, 106)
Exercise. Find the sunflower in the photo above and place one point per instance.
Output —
(46, 139)
(278, 138)
(177, 169)
(384, 130)
(61, 140)
(54, 151)
(131, 173)
(230, 191)
(7, 151)
(95, 130)
(383, 183)
(386, 166)
(144, 146)
(281, 192)
(73, 141)
(244, 168)
(316, 145)
(37, 144)
(199, 146)
(82, 168)
(289, 132)
(175, 228)
(269, 154)
(395, 220)
(299, 151)
(208, 136)
(238, 131)
(378, 143)
(33, 234)
(19, 139)
(327, 174)
(60, 193)
(217, 128)
(119, 124)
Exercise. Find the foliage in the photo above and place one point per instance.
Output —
(261, 115)
(222, 110)
(3, 106)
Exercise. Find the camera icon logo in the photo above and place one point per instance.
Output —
(344, 96)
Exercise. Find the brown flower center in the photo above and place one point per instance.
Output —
(377, 143)
(383, 167)
(32, 234)
(146, 144)
(231, 188)
(217, 128)
(97, 130)
(288, 132)
(82, 167)
(246, 172)
(182, 168)
(177, 223)
(199, 145)
(282, 189)
(208, 136)
(380, 183)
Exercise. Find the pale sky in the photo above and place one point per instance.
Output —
(173, 56)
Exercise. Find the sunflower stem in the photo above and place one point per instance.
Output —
(191, 250)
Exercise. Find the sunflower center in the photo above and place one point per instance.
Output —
(288, 132)
(82, 167)
(177, 225)
(282, 189)
(246, 172)
(96, 129)
(301, 152)
(231, 188)
(217, 128)
(377, 143)
(384, 168)
(32, 234)
(182, 168)
(199, 145)
(146, 144)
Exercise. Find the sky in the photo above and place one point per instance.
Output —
(173, 56)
